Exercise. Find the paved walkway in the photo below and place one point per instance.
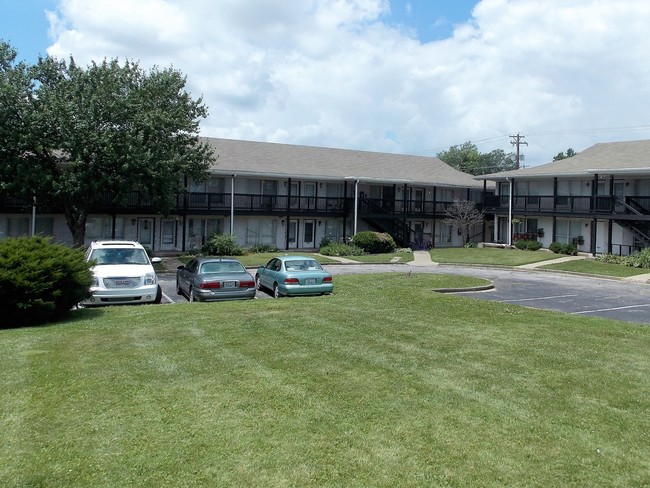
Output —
(422, 258)
(551, 261)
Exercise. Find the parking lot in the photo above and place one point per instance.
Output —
(573, 294)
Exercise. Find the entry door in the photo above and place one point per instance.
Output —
(619, 191)
(308, 233)
(388, 198)
(418, 235)
(293, 234)
(168, 235)
(145, 232)
(310, 193)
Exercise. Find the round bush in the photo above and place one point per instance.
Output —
(520, 244)
(534, 245)
(374, 242)
(556, 247)
(40, 281)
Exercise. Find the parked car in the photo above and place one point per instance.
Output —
(208, 279)
(294, 275)
(122, 274)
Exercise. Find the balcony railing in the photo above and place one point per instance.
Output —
(221, 203)
(606, 204)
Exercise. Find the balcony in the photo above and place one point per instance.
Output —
(548, 204)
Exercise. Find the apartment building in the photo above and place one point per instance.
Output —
(288, 196)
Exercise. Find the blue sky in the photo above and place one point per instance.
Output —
(403, 76)
(25, 24)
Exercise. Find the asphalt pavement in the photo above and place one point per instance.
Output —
(627, 300)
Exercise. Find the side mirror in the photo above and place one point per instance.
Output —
(156, 260)
(181, 267)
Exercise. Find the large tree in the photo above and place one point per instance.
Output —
(468, 159)
(108, 129)
(16, 107)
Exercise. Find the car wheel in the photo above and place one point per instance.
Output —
(158, 295)
(276, 291)
(258, 283)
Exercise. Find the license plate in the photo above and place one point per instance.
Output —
(229, 284)
(310, 281)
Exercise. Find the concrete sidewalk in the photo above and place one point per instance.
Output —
(550, 261)
(422, 258)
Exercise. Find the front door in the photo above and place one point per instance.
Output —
(310, 193)
(308, 233)
(168, 235)
(293, 234)
(145, 232)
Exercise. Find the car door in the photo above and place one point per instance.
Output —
(185, 276)
(267, 275)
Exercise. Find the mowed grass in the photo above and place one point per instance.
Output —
(383, 383)
(591, 266)
(490, 256)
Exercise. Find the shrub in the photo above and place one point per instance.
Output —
(222, 245)
(638, 259)
(40, 281)
(534, 245)
(260, 248)
(325, 241)
(340, 249)
(610, 259)
(569, 249)
(559, 248)
(374, 242)
(529, 245)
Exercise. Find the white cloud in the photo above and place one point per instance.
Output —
(331, 73)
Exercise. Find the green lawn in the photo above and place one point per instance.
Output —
(490, 256)
(591, 266)
(384, 383)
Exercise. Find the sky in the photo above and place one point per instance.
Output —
(399, 76)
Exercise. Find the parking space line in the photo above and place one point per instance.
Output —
(611, 309)
(539, 298)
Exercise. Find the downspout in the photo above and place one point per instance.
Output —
(232, 204)
(185, 203)
(288, 215)
(356, 206)
(34, 216)
(484, 229)
(509, 212)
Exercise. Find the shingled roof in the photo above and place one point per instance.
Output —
(630, 157)
(259, 159)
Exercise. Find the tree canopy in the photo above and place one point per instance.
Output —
(79, 134)
(561, 155)
(468, 159)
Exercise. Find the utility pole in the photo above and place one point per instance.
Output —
(517, 141)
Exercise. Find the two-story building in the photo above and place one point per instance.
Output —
(598, 199)
(288, 196)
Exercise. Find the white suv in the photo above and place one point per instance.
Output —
(123, 273)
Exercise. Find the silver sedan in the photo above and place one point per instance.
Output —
(212, 279)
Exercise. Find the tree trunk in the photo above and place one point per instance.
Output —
(77, 225)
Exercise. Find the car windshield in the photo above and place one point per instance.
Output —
(119, 256)
(217, 267)
(302, 265)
